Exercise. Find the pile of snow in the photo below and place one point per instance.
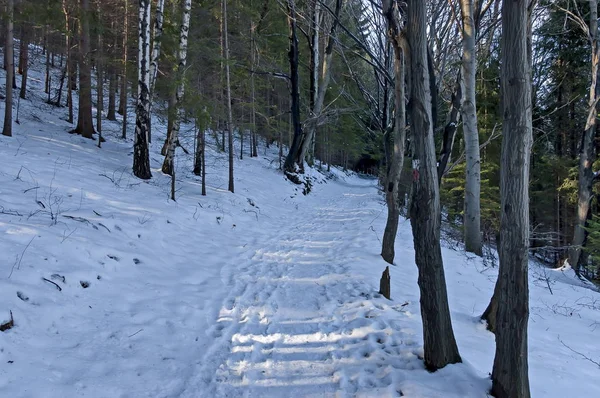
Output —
(116, 291)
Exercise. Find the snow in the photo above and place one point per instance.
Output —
(265, 292)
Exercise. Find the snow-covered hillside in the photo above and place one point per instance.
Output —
(116, 291)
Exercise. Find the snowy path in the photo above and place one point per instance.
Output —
(297, 322)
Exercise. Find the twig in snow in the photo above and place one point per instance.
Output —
(29, 189)
(49, 281)
(20, 258)
(375, 232)
(9, 212)
(597, 363)
(67, 236)
(102, 225)
(141, 330)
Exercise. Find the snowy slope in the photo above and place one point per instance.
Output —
(264, 292)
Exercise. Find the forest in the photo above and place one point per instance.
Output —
(476, 120)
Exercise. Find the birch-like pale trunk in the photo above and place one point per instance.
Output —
(8, 56)
(168, 164)
(141, 153)
(510, 372)
(156, 44)
(228, 89)
(587, 152)
(472, 206)
(395, 141)
(439, 344)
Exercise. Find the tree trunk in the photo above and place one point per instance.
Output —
(47, 76)
(123, 94)
(8, 55)
(24, 59)
(587, 151)
(112, 94)
(439, 344)
(68, 63)
(85, 124)
(99, 83)
(156, 44)
(510, 372)
(472, 207)
(395, 143)
(112, 82)
(171, 116)
(290, 161)
(168, 164)
(321, 87)
(141, 153)
(228, 89)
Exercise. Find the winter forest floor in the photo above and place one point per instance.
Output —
(117, 291)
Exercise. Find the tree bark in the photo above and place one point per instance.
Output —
(24, 59)
(156, 44)
(168, 164)
(141, 153)
(85, 124)
(8, 56)
(510, 373)
(99, 82)
(112, 82)
(587, 151)
(472, 206)
(395, 142)
(228, 89)
(123, 94)
(293, 55)
(440, 347)
(322, 76)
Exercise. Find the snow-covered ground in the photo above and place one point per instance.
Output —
(116, 291)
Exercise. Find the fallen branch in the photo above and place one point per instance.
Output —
(578, 353)
(49, 281)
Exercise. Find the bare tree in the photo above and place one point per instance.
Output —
(141, 153)
(439, 342)
(228, 105)
(85, 121)
(587, 151)
(156, 44)
(395, 141)
(168, 164)
(510, 372)
(472, 211)
(8, 57)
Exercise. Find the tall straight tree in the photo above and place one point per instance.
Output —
(510, 373)
(10, 70)
(123, 94)
(156, 44)
(425, 214)
(293, 55)
(472, 210)
(587, 151)
(231, 187)
(395, 141)
(168, 164)
(85, 121)
(141, 153)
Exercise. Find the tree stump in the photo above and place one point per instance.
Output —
(384, 284)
